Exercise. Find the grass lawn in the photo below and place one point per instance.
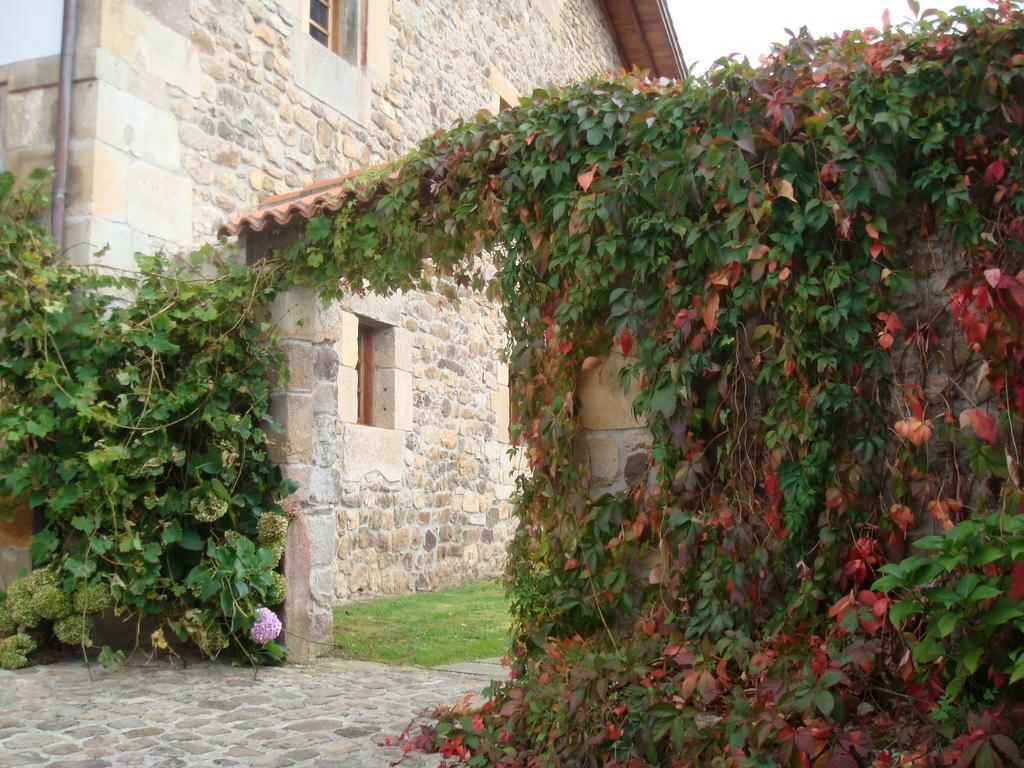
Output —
(426, 629)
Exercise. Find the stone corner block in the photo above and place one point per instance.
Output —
(603, 403)
(292, 439)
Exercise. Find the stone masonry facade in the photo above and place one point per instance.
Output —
(187, 113)
(420, 500)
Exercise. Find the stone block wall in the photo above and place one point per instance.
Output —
(418, 501)
(611, 442)
(186, 113)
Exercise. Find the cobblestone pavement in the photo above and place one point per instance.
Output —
(333, 713)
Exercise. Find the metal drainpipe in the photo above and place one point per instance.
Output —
(60, 163)
(60, 150)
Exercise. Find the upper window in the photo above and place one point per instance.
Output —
(338, 25)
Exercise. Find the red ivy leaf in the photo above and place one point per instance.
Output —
(902, 516)
(982, 424)
(1016, 582)
(995, 171)
(626, 342)
(586, 178)
(711, 312)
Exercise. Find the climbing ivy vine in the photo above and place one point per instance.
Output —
(814, 270)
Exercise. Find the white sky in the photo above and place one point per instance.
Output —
(709, 29)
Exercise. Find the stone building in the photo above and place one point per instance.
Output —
(239, 116)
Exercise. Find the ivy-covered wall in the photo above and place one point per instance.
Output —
(815, 270)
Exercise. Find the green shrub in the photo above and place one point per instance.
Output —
(7, 623)
(19, 603)
(271, 529)
(14, 651)
(132, 408)
(92, 598)
(74, 630)
(51, 602)
(278, 591)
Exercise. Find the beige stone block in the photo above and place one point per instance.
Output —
(603, 403)
(21, 162)
(128, 123)
(298, 358)
(160, 203)
(138, 37)
(502, 90)
(367, 451)
(292, 440)
(348, 395)
(502, 374)
(470, 503)
(500, 406)
(400, 539)
(637, 439)
(98, 241)
(31, 118)
(294, 313)
(602, 454)
(392, 399)
(41, 72)
(98, 181)
(392, 348)
(347, 345)
(550, 10)
(378, 39)
(386, 310)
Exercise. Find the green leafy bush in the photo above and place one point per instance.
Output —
(132, 411)
(15, 650)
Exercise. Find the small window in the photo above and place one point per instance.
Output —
(364, 376)
(338, 25)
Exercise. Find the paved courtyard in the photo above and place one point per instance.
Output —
(334, 713)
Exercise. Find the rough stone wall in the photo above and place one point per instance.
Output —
(418, 501)
(440, 514)
(186, 113)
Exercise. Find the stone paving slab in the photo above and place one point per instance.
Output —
(333, 713)
(489, 669)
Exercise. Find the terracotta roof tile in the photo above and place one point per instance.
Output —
(281, 210)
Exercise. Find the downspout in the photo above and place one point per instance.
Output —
(60, 164)
(60, 150)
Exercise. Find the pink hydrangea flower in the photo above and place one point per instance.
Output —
(267, 626)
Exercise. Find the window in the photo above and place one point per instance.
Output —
(338, 25)
(364, 374)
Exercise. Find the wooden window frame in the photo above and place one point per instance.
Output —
(364, 373)
(334, 32)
